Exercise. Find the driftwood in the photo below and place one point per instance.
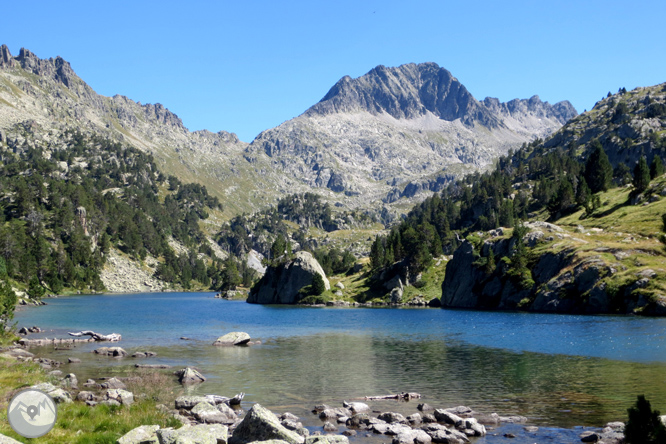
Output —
(236, 400)
(113, 337)
(403, 396)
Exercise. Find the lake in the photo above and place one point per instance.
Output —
(558, 370)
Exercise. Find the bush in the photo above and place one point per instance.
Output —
(644, 425)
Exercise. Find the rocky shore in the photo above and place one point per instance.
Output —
(217, 419)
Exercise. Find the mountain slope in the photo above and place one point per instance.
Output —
(392, 133)
(50, 94)
(393, 130)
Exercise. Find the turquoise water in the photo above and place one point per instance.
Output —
(558, 370)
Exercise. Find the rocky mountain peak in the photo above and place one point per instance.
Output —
(406, 92)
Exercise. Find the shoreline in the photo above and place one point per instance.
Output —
(379, 425)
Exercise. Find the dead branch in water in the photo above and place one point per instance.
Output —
(113, 337)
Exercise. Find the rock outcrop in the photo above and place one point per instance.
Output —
(282, 284)
(562, 278)
(260, 424)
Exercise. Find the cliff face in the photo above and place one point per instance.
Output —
(568, 273)
(282, 284)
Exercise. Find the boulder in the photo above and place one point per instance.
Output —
(198, 434)
(391, 417)
(447, 417)
(209, 414)
(261, 424)
(59, 395)
(119, 395)
(356, 407)
(188, 402)
(233, 338)
(141, 435)
(113, 383)
(282, 284)
(70, 381)
(190, 375)
(84, 396)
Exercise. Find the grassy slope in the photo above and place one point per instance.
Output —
(625, 236)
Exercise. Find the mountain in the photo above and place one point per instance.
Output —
(392, 133)
(49, 96)
(531, 235)
(396, 131)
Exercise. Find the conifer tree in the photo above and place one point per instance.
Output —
(656, 167)
(598, 170)
(318, 286)
(641, 175)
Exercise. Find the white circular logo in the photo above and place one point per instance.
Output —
(32, 413)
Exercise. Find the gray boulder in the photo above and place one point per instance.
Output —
(141, 435)
(261, 424)
(198, 434)
(209, 414)
(282, 284)
(59, 395)
(188, 402)
(233, 338)
(190, 375)
(119, 395)
(113, 383)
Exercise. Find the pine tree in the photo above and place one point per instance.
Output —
(656, 167)
(318, 286)
(641, 175)
(644, 425)
(598, 170)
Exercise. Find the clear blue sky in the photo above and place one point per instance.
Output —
(249, 66)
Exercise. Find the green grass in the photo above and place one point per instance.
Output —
(80, 424)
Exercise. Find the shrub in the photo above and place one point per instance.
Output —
(644, 425)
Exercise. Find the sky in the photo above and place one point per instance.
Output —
(248, 66)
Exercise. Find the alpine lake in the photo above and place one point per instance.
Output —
(565, 373)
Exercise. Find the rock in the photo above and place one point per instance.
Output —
(414, 419)
(286, 416)
(188, 402)
(113, 383)
(515, 419)
(356, 407)
(198, 434)
(589, 437)
(447, 417)
(84, 396)
(358, 420)
(424, 407)
(190, 375)
(292, 425)
(429, 418)
(141, 435)
(531, 429)
(391, 417)
(119, 395)
(340, 285)
(111, 351)
(412, 437)
(282, 284)
(6, 439)
(209, 414)
(396, 295)
(394, 282)
(327, 439)
(261, 424)
(329, 427)
(73, 360)
(233, 338)
(59, 395)
(70, 381)
(334, 413)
